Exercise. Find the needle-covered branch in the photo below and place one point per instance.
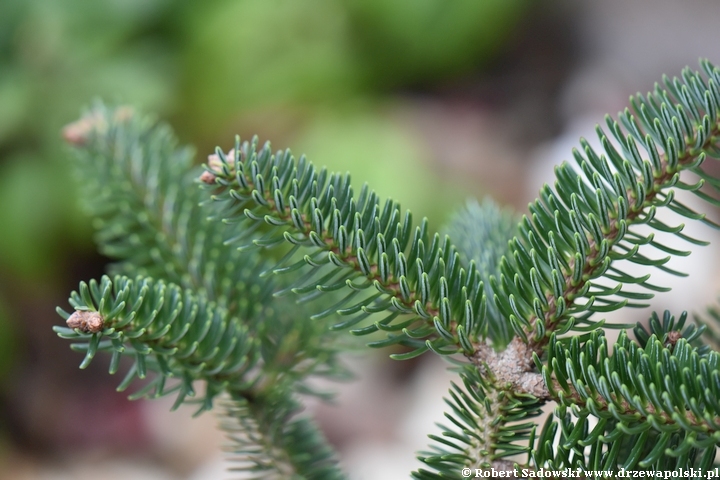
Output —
(489, 425)
(576, 236)
(663, 395)
(198, 315)
(166, 330)
(370, 252)
(526, 313)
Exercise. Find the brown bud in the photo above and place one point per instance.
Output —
(672, 338)
(87, 322)
(214, 162)
(78, 132)
(215, 165)
(208, 178)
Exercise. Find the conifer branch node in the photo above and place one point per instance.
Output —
(512, 367)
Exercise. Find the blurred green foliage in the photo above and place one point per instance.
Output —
(218, 67)
(40, 210)
(8, 346)
(377, 150)
(245, 56)
(55, 56)
(254, 54)
(418, 42)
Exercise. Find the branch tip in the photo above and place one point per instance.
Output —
(78, 132)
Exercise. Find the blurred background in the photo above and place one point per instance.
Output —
(429, 101)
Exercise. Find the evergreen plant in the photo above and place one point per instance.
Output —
(238, 275)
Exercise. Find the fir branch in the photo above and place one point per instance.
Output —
(481, 232)
(578, 443)
(669, 330)
(276, 443)
(655, 400)
(577, 232)
(167, 330)
(182, 338)
(638, 426)
(488, 425)
(138, 185)
(356, 244)
(309, 209)
(664, 387)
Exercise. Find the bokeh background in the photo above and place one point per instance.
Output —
(429, 101)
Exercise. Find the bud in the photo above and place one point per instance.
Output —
(215, 166)
(207, 177)
(78, 132)
(672, 338)
(87, 322)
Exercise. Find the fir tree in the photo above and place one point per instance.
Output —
(209, 259)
